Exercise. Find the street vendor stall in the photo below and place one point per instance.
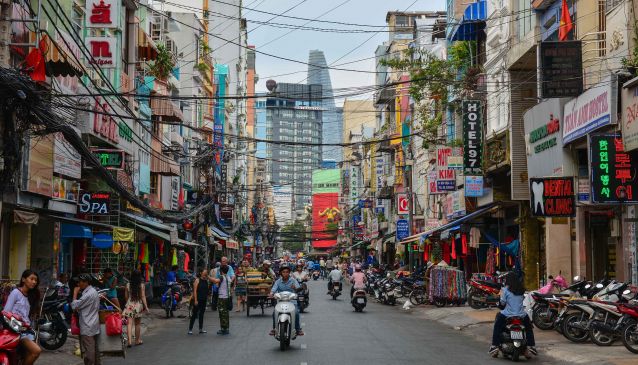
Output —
(447, 285)
(258, 287)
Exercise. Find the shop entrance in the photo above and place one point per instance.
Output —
(601, 260)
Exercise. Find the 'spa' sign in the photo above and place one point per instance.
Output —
(94, 203)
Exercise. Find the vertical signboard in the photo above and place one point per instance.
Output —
(102, 13)
(472, 136)
(562, 69)
(630, 117)
(613, 171)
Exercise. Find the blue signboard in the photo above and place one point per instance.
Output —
(445, 185)
(403, 229)
(365, 203)
(473, 186)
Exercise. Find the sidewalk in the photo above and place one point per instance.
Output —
(65, 354)
(478, 323)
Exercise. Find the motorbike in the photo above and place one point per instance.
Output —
(482, 294)
(514, 340)
(387, 289)
(285, 319)
(316, 274)
(359, 300)
(303, 300)
(546, 309)
(629, 334)
(335, 291)
(11, 327)
(608, 321)
(51, 327)
(171, 299)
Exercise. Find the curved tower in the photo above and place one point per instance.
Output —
(331, 121)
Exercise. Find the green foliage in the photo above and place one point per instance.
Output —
(437, 252)
(294, 236)
(202, 67)
(206, 50)
(164, 64)
(380, 217)
(631, 63)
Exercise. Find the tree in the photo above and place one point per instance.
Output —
(293, 236)
(163, 64)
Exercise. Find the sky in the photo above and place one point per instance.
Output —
(338, 48)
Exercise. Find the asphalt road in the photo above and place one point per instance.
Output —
(334, 334)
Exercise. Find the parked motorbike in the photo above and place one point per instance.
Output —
(285, 319)
(11, 327)
(359, 300)
(483, 294)
(51, 327)
(514, 340)
(607, 322)
(171, 299)
(546, 308)
(629, 334)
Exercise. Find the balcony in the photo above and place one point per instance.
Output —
(385, 96)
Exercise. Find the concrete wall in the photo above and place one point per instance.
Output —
(356, 113)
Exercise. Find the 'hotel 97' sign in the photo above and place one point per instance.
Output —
(472, 136)
(612, 170)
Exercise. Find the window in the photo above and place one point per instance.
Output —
(154, 183)
(287, 113)
(525, 18)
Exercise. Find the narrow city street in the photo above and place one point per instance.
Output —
(335, 334)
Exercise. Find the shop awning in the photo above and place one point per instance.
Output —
(187, 243)
(156, 233)
(412, 238)
(122, 234)
(448, 232)
(389, 237)
(148, 222)
(356, 244)
(70, 231)
(81, 221)
(60, 60)
(471, 23)
(453, 224)
(146, 47)
(232, 244)
(218, 233)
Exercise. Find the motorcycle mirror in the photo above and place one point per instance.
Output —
(587, 286)
(577, 278)
(626, 292)
(599, 286)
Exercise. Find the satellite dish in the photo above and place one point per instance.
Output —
(271, 85)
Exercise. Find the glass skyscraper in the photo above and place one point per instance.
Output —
(332, 123)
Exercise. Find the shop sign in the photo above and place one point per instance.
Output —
(354, 186)
(443, 186)
(472, 136)
(403, 229)
(593, 109)
(584, 187)
(103, 51)
(39, 165)
(474, 186)
(102, 13)
(226, 212)
(66, 190)
(541, 134)
(66, 160)
(403, 206)
(552, 197)
(455, 204)
(455, 162)
(95, 203)
(113, 159)
(630, 117)
(612, 170)
(103, 124)
(432, 183)
(561, 69)
(365, 203)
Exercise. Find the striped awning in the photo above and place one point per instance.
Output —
(146, 47)
(60, 59)
(162, 164)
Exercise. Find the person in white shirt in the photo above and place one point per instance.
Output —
(300, 274)
(334, 277)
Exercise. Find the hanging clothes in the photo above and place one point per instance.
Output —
(174, 259)
(490, 264)
(475, 237)
(187, 259)
(464, 244)
(453, 246)
(146, 254)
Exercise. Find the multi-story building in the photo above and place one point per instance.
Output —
(293, 118)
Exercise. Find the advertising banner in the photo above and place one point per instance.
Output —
(562, 69)
(325, 218)
(553, 197)
(630, 118)
(66, 160)
(403, 229)
(472, 137)
(613, 171)
(593, 109)
(474, 186)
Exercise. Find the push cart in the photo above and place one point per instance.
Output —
(257, 290)
(114, 346)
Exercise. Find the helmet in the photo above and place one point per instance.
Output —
(267, 262)
(357, 267)
(284, 267)
(299, 263)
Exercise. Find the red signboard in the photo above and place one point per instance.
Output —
(325, 219)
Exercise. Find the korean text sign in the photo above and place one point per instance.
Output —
(612, 170)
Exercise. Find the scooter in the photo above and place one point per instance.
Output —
(336, 290)
(11, 327)
(52, 331)
(607, 322)
(316, 274)
(359, 300)
(514, 340)
(482, 294)
(285, 319)
(171, 299)
(629, 333)
(303, 300)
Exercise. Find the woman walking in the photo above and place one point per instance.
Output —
(224, 281)
(135, 306)
(200, 295)
(20, 301)
(240, 285)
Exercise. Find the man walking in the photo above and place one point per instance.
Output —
(88, 306)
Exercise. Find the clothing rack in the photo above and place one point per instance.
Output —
(447, 283)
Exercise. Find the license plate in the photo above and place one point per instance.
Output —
(361, 300)
(516, 335)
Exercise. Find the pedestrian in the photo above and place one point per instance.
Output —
(62, 286)
(20, 302)
(110, 283)
(240, 285)
(215, 287)
(136, 305)
(201, 289)
(88, 306)
(223, 279)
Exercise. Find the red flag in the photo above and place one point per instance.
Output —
(566, 24)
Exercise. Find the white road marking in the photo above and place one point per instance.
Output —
(304, 346)
(304, 363)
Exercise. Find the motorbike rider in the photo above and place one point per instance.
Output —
(358, 280)
(266, 271)
(322, 266)
(286, 284)
(334, 276)
(512, 296)
(300, 274)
